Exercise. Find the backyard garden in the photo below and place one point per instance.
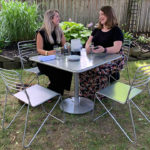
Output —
(19, 21)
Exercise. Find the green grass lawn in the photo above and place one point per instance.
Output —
(79, 132)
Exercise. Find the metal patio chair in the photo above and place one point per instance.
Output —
(27, 49)
(123, 94)
(126, 51)
(32, 96)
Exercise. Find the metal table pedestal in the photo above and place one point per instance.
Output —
(69, 105)
(76, 104)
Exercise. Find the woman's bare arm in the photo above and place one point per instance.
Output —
(88, 43)
(114, 49)
(39, 45)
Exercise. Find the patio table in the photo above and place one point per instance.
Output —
(76, 104)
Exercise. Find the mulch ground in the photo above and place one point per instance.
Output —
(10, 51)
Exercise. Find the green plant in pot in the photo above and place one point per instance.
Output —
(73, 30)
(18, 21)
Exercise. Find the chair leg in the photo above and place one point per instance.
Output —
(3, 121)
(62, 121)
(148, 89)
(38, 79)
(4, 111)
(131, 115)
(42, 124)
(62, 109)
(141, 111)
(125, 133)
(93, 111)
(128, 74)
(101, 114)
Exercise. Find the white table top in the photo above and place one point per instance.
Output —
(85, 63)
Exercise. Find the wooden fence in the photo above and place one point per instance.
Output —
(86, 11)
(143, 23)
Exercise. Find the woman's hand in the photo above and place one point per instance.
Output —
(52, 52)
(100, 49)
(88, 49)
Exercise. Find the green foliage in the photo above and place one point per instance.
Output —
(18, 21)
(127, 35)
(74, 30)
(2, 44)
(143, 39)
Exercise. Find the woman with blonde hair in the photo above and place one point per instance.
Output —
(106, 38)
(51, 34)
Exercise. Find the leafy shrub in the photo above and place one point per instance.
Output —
(18, 21)
(143, 39)
(127, 35)
(74, 30)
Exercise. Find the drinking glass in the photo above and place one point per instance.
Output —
(91, 48)
(58, 51)
(67, 48)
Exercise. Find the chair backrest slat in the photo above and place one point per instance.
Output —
(26, 49)
(13, 82)
(11, 79)
(126, 49)
(28, 54)
(142, 76)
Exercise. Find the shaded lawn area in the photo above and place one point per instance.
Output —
(79, 132)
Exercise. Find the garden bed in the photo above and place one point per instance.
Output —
(140, 51)
(9, 57)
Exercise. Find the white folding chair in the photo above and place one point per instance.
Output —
(32, 96)
(27, 49)
(124, 94)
